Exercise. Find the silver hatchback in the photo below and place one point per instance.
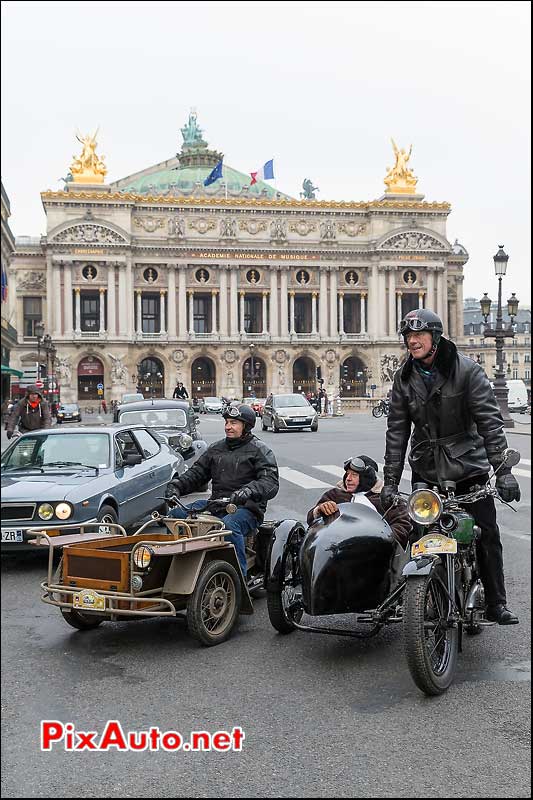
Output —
(284, 412)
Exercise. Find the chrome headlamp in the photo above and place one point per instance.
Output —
(185, 441)
(63, 510)
(45, 511)
(142, 556)
(424, 506)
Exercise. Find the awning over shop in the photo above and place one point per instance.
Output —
(11, 371)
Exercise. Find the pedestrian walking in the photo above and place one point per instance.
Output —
(30, 414)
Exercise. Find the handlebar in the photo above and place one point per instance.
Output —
(221, 502)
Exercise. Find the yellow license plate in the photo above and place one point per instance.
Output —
(88, 600)
(433, 543)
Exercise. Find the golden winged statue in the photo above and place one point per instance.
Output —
(88, 167)
(400, 178)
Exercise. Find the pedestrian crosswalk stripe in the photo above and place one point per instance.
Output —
(301, 479)
(525, 461)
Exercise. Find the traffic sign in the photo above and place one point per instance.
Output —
(100, 392)
(373, 386)
(99, 385)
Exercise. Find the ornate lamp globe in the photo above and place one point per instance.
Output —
(500, 261)
(485, 304)
(512, 305)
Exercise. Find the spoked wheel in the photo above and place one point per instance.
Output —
(431, 646)
(214, 605)
(79, 620)
(377, 411)
(280, 600)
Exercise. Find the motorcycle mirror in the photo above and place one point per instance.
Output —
(511, 457)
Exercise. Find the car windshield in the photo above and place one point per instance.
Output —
(69, 407)
(42, 450)
(290, 401)
(156, 418)
(213, 401)
(131, 398)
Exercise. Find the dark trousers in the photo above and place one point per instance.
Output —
(489, 546)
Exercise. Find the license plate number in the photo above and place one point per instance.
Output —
(89, 600)
(12, 536)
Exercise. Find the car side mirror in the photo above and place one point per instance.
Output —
(131, 459)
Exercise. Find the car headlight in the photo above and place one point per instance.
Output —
(143, 556)
(185, 441)
(63, 511)
(424, 507)
(136, 583)
(45, 511)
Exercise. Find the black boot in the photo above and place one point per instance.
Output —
(501, 615)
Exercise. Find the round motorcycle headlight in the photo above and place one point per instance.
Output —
(45, 511)
(424, 507)
(143, 556)
(185, 441)
(63, 511)
(136, 583)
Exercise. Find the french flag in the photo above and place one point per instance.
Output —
(266, 173)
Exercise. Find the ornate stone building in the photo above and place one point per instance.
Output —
(231, 288)
(9, 334)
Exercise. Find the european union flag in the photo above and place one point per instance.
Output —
(214, 175)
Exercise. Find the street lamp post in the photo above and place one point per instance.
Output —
(251, 372)
(39, 333)
(499, 333)
(47, 343)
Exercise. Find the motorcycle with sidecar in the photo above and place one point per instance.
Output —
(107, 574)
(349, 563)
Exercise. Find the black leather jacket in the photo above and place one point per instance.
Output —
(246, 462)
(458, 427)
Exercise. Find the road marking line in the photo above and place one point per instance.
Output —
(525, 461)
(301, 479)
(522, 536)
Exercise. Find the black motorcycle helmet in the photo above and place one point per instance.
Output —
(367, 470)
(422, 319)
(242, 412)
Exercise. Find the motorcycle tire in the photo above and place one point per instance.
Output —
(275, 604)
(377, 411)
(431, 647)
(213, 607)
(76, 619)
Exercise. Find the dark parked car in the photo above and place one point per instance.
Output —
(64, 476)
(173, 420)
(68, 412)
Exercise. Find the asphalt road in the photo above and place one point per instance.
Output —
(323, 716)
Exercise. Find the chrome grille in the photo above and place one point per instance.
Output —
(18, 512)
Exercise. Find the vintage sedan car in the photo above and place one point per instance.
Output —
(284, 412)
(68, 412)
(111, 474)
(172, 420)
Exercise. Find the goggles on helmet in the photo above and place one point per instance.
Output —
(232, 411)
(355, 464)
(414, 324)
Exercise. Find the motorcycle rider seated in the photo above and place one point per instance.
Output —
(361, 480)
(240, 467)
(446, 401)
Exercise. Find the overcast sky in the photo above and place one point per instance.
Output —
(319, 86)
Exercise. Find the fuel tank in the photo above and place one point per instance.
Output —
(345, 561)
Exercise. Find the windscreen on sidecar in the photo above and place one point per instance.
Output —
(345, 561)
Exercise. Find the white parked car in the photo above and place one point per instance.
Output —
(284, 412)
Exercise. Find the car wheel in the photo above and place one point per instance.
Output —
(275, 427)
(83, 622)
(108, 515)
(314, 428)
(263, 426)
(213, 607)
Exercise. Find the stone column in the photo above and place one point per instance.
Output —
(392, 297)
(191, 312)
(111, 302)
(291, 312)
(234, 308)
(172, 301)
(382, 304)
(182, 302)
(214, 293)
(341, 313)
(265, 312)
(223, 303)
(430, 299)
(444, 300)
(313, 312)
(241, 313)
(130, 309)
(363, 312)
(56, 300)
(138, 294)
(274, 328)
(49, 294)
(284, 305)
(101, 304)
(77, 322)
(459, 307)
(67, 299)
(333, 302)
(373, 302)
(398, 308)
(323, 305)
(163, 324)
(124, 301)
(420, 299)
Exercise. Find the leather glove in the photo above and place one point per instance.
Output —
(9, 434)
(240, 497)
(172, 489)
(388, 495)
(508, 487)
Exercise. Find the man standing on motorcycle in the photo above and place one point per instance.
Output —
(361, 481)
(240, 466)
(457, 436)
